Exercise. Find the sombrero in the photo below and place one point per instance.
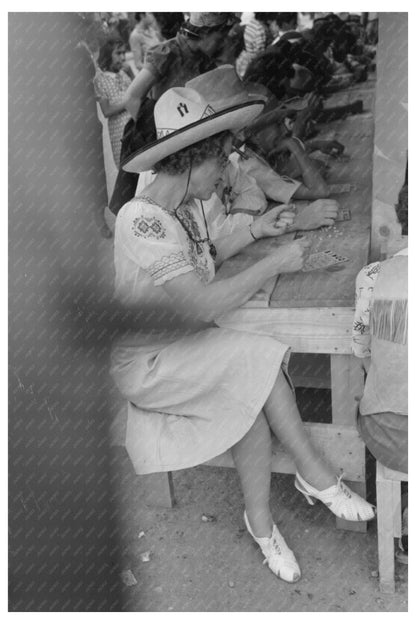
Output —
(184, 117)
(223, 88)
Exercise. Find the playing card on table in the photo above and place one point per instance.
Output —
(338, 189)
(344, 214)
(322, 260)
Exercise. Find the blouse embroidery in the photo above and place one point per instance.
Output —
(148, 227)
(167, 264)
(189, 221)
(365, 282)
(175, 261)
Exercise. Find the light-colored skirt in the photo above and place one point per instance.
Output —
(193, 399)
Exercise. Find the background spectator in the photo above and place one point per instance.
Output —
(144, 35)
(169, 24)
(171, 63)
(111, 82)
(257, 36)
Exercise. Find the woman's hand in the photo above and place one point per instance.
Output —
(321, 212)
(291, 256)
(274, 222)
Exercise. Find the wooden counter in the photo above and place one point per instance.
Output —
(313, 312)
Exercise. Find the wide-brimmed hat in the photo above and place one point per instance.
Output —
(184, 117)
(223, 88)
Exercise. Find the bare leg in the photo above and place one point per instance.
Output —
(252, 458)
(284, 419)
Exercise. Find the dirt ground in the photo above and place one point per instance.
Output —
(216, 566)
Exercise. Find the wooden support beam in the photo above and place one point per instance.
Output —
(305, 330)
(347, 382)
(340, 446)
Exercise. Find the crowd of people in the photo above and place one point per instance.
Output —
(214, 131)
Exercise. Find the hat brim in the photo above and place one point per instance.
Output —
(232, 118)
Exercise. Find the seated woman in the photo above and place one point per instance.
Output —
(379, 338)
(210, 389)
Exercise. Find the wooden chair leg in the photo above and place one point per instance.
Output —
(159, 490)
(385, 533)
(397, 508)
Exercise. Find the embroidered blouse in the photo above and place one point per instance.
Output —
(152, 247)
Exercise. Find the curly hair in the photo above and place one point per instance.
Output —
(105, 55)
(179, 162)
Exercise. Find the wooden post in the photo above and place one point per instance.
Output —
(385, 531)
(347, 382)
(390, 140)
(159, 490)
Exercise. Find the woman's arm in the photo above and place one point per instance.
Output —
(272, 223)
(321, 212)
(111, 108)
(314, 186)
(192, 298)
(138, 90)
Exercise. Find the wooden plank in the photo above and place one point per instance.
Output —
(384, 473)
(340, 446)
(305, 330)
(347, 380)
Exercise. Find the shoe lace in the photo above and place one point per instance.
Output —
(341, 486)
(275, 549)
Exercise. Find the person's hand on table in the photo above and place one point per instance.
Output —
(321, 212)
(274, 222)
(291, 256)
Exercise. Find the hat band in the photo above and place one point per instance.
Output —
(207, 112)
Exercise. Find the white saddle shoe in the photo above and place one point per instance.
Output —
(339, 499)
(278, 555)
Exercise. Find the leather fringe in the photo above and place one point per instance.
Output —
(389, 320)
